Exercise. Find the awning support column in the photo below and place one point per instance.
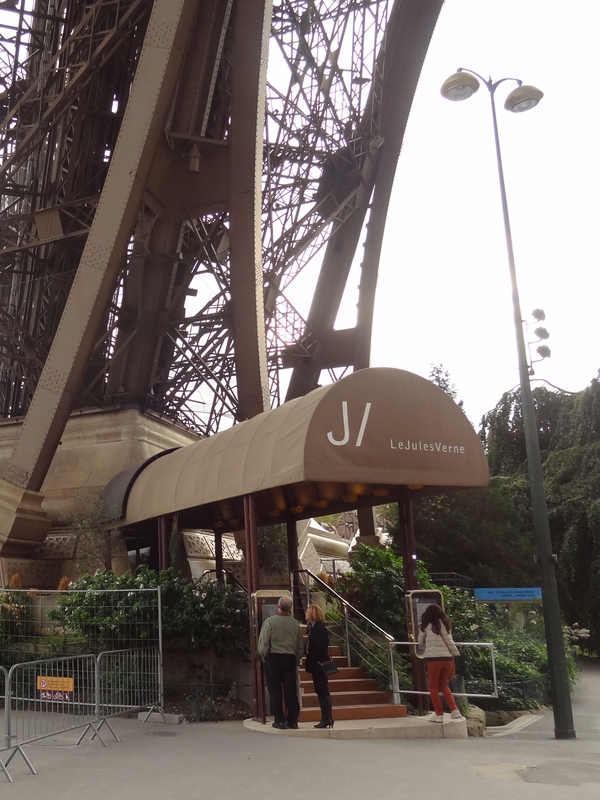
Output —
(253, 582)
(163, 541)
(294, 566)
(411, 581)
(218, 534)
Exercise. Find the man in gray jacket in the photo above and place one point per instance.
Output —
(280, 646)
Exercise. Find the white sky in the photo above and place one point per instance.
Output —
(444, 293)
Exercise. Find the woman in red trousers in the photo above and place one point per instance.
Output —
(436, 637)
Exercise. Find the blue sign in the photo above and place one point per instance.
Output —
(508, 595)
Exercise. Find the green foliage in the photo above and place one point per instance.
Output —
(221, 618)
(16, 615)
(100, 615)
(575, 637)
(441, 377)
(273, 549)
(502, 433)
(96, 535)
(206, 612)
(572, 480)
(487, 534)
(584, 418)
(569, 436)
(375, 585)
(521, 655)
(481, 533)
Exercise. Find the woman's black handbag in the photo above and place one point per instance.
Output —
(329, 667)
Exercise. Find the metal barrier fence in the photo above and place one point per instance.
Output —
(128, 680)
(51, 696)
(43, 698)
(3, 684)
(35, 625)
(58, 670)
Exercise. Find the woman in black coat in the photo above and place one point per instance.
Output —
(317, 651)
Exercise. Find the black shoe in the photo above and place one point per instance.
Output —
(292, 725)
(279, 725)
(325, 723)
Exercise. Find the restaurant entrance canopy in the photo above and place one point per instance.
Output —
(346, 445)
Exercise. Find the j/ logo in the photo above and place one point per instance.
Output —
(346, 438)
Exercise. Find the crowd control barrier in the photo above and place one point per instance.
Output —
(128, 680)
(75, 693)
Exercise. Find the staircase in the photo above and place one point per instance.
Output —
(353, 695)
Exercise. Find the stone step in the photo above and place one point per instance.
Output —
(310, 700)
(345, 685)
(344, 672)
(382, 711)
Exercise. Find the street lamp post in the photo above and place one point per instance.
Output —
(461, 86)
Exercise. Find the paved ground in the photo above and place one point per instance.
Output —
(154, 762)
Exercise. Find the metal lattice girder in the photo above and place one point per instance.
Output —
(143, 122)
(338, 71)
(156, 78)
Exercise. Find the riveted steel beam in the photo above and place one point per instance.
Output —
(246, 144)
(143, 123)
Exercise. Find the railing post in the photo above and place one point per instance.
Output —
(161, 685)
(395, 687)
(348, 659)
(7, 704)
(97, 687)
(494, 670)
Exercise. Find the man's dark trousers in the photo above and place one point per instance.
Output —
(280, 671)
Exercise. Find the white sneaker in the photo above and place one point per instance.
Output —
(456, 714)
(436, 718)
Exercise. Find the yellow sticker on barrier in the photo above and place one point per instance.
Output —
(52, 684)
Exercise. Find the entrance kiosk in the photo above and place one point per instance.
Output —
(263, 604)
(416, 603)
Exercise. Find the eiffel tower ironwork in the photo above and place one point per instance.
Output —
(178, 221)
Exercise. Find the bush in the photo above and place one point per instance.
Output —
(521, 657)
(16, 616)
(375, 586)
(207, 613)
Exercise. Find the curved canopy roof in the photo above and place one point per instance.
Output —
(352, 442)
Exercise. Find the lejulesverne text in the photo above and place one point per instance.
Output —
(434, 447)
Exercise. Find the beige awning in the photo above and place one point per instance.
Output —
(347, 444)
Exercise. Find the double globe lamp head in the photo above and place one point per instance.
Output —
(463, 84)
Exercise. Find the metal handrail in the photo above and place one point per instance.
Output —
(345, 603)
(392, 643)
(397, 691)
(229, 574)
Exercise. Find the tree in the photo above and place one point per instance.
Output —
(375, 585)
(569, 436)
(273, 549)
(502, 433)
(481, 533)
(96, 536)
(572, 480)
(441, 378)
